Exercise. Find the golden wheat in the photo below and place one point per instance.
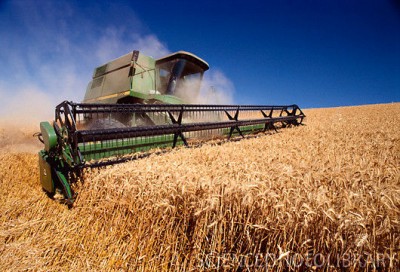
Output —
(321, 196)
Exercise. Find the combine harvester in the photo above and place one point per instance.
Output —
(135, 103)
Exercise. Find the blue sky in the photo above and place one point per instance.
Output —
(314, 53)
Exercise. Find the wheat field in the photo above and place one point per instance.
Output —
(323, 197)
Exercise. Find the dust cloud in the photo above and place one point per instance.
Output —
(20, 115)
(215, 88)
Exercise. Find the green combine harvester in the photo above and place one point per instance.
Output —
(135, 103)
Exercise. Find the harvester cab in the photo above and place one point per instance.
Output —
(138, 79)
(135, 103)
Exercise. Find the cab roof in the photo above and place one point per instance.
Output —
(184, 55)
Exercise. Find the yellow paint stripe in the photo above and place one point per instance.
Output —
(108, 96)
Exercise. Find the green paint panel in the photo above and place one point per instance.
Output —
(45, 172)
(65, 184)
(49, 135)
(251, 129)
(144, 80)
(101, 150)
(114, 78)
